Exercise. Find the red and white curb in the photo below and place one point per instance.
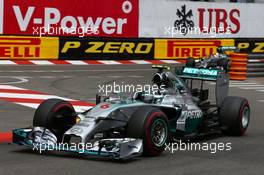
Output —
(85, 62)
(32, 99)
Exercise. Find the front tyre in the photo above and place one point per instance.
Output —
(151, 125)
(234, 116)
(56, 115)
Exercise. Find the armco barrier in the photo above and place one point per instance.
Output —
(254, 47)
(255, 66)
(238, 67)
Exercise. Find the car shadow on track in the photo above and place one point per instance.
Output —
(68, 155)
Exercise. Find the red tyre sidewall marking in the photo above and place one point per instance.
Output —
(149, 122)
(57, 108)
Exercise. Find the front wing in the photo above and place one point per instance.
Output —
(116, 148)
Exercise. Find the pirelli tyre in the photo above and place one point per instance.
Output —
(234, 116)
(151, 125)
(224, 63)
(56, 115)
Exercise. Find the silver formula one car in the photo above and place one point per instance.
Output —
(217, 61)
(124, 127)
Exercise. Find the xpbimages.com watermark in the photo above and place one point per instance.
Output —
(57, 30)
(212, 147)
(51, 146)
(129, 88)
(210, 32)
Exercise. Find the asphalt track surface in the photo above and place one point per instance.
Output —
(81, 82)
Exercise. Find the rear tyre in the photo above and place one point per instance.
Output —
(190, 62)
(234, 116)
(224, 63)
(151, 125)
(56, 115)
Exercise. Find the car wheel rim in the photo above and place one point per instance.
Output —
(159, 132)
(245, 117)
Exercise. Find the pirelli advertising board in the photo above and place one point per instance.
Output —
(184, 48)
(138, 48)
(26, 47)
(106, 48)
(250, 45)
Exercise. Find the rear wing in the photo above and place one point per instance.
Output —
(215, 75)
(200, 73)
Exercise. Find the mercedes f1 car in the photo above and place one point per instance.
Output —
(124, 127)
(217, 61)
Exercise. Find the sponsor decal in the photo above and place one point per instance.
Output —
(80, 18)
(106, 48)
(19, 47)
(182, 48)
(199, 20)
(220, 18)
(195, 71)
(104, 106)
(250, 45)
(76, 130)
(194, 114)
(209, 21)
(184, 23)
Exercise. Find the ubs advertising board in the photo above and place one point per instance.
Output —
(182, 19)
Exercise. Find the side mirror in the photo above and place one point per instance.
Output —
(176, 105)
(178, 109)
(182, 90)
(97, 99)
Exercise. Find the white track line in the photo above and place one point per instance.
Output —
(30, 96)
(260, 90)
(246, 85)
(241, 83)
(253, 87)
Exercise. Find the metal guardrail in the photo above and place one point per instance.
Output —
(255, 66)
